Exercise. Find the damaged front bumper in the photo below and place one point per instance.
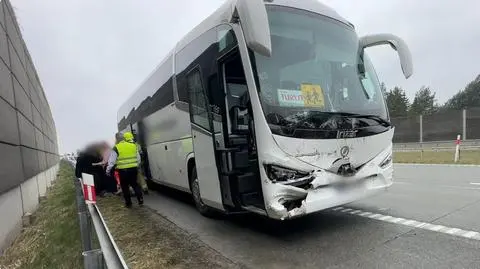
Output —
(327, 190)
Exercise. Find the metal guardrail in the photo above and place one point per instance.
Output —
(436, 146)
(108, 256)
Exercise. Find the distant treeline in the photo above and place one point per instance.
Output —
(425, 102)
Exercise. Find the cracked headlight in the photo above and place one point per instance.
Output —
(285, 175)
(386, 161)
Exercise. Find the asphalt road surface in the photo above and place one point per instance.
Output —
(430, 218)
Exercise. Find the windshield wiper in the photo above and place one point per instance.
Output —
(367, 116)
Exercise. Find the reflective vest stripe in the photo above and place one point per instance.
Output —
(127, 158)
(125, 162)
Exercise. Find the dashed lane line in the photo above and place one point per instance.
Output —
(412, 223)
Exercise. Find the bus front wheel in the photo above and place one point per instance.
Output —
(197, 198)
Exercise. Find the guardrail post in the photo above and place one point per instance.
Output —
(85, 230)
(93, 259)
(84, 219)
(421, 128)
(464, 124)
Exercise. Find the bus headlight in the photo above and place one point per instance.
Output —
(386, 161)
(285, 175)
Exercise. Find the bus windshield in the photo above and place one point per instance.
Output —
(317, 78)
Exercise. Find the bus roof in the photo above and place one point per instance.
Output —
(221, 15)
(225, 12)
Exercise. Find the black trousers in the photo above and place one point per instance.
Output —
(128, 177)
(109, 183)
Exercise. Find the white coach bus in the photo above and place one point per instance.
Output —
(271, 107)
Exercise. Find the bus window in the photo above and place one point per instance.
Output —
(198, 103)
(225, 37)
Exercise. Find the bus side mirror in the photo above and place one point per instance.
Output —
(239, 120)
(254, 20)
(396, 43)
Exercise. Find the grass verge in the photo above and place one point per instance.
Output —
(147, 240)
(437, 157)
(53, 239)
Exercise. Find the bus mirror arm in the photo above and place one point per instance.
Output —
(396, 43)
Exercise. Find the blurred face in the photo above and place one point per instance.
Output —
(118, 137)
(105, 146)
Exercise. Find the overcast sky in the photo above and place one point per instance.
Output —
(91, 54)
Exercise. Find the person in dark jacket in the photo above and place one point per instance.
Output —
(84, 165)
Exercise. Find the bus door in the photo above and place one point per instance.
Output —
(239, 156)
(203, 136)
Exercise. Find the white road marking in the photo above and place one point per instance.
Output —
(436, 228)
(365, 214)
(444, 186)
(453, 231)
(471, 234)
(401, 220)
(410, 223)
(385, 218)
(413, 223)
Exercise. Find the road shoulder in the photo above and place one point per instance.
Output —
(148, 240)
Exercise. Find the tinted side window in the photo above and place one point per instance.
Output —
(198, 99)
(190, 56)
(226, 38)
(154, 94)
(203, 51)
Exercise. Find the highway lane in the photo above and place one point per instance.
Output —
(334, 239)
(437, 194)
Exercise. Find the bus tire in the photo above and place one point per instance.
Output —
(197, 199)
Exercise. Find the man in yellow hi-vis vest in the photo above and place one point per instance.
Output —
(126, 158)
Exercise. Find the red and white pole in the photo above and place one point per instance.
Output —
(457, 148)
(88, 188)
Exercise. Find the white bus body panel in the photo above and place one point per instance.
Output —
(168, 138)
(321, 153)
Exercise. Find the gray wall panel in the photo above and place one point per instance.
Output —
(50, 160)
(13, 34)
(11, 173)
(37, 119)
(39, 140)
(6, 88)
(17, 69)
(47, 144)
(27, 131)
(44, 125)
(42, 160)
(31, 165)
(22, 101)
(8, 123)
(4, 46)
(35, 99)
(2, 18)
